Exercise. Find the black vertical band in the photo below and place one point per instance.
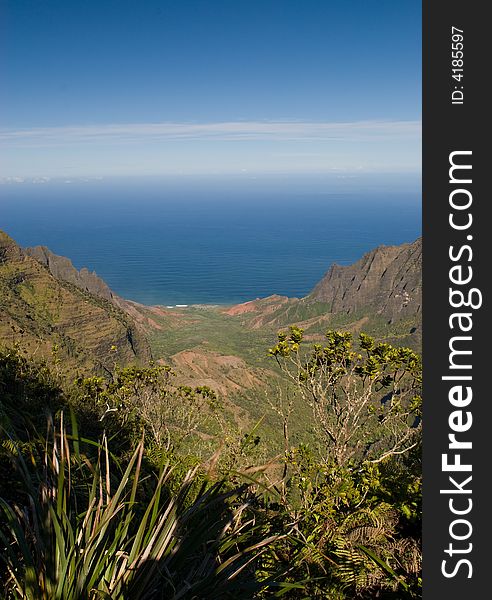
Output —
(457, 253)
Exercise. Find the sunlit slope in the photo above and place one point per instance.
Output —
(39, 312)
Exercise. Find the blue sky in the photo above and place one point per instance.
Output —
(189, 87)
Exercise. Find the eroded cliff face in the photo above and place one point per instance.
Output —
(45, 300)
(62, 268)
(39, 310)
(386, 281)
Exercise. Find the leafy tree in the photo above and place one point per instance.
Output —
(352, 507)
(148, 397)
(128, 519)
(365, 401)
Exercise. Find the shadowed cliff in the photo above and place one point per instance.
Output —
(386, 281)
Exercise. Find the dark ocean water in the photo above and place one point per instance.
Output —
(160, 244)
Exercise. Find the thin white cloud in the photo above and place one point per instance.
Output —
(221, 131)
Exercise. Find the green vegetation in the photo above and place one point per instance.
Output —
(365, 401)
(355, 494)
(211, 332)
(241, 470)
(211, 328)
(136, 486)
(80, 537)
(40, 311)
(247, 335)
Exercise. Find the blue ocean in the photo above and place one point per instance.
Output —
(161, 242)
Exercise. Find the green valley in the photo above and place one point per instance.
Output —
(272, 447)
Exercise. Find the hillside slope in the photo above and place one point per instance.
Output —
(45, 300)
(38, 311)
(62, 268)
(386, 281)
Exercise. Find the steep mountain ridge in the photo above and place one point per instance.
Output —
(40, 311)
(47, 298)
(385, 284)
(62, 268)
(386, 280)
